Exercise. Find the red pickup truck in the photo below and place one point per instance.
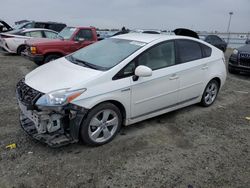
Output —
(70, 39)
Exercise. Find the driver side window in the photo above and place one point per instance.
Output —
(160, 56)
(157, 57)
(84, 34)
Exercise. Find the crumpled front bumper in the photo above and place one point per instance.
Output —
(67, 133)
(54, 126)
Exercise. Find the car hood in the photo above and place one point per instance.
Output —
(245, 48)
(59, 74)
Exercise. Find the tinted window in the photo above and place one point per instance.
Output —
(50, 35)
(55, 27)
(160, 56)
(188, 51)
(39, 25)
(206, 50)
(84, 34)
(216, 39)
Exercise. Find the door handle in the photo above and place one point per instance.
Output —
(173, 77)
(205, 67)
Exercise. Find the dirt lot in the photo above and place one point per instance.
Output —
(191, 147)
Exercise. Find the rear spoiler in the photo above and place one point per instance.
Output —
(186, 32)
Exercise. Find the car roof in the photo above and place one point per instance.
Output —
(147, 38)
(37, 29)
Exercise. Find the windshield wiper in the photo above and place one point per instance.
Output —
(84, 63)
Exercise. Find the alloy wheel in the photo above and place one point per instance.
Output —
(103, 125)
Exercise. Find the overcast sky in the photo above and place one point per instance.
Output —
(209, 15)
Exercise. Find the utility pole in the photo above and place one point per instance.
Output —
(228, 27)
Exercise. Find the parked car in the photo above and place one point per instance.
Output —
(69, 40)
(46, 25)
(118, 81)
(14, 41)
(4, 27)
(217, 42)
(239, 60)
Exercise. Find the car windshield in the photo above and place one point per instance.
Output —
(105, 54)
(66, 33)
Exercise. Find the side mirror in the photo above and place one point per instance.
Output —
(143, 71)
(80, 39)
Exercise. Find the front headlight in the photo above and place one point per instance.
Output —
(59, 97)
(235, 51)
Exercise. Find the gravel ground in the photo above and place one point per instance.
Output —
(191, 147)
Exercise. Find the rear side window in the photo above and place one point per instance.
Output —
(207, 51)
(188, 51)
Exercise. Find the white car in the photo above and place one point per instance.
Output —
(119, 81)
(14, 41)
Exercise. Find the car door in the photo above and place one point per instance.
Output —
(159, 91)
(192, 69)
(82, 38)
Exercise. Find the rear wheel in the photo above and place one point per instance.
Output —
(51, 57)
(101, 125)
(210, 93)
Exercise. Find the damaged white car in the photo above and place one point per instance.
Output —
(119, 81)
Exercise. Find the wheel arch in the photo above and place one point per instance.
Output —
(118, 105)
(216, 79)
(19, 47)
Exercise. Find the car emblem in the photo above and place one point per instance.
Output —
(245, 55)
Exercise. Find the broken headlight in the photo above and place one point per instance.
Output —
(59, 97)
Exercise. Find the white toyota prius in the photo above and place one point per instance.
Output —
(122, 80)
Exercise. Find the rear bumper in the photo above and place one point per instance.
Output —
(38, 59)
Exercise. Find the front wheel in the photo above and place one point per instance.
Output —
(210, 93)
(101, 125)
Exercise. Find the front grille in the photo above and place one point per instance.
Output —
(27, 95)
(244, 59)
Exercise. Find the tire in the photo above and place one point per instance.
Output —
(210, 93)
(95, 129)
(20, 49)
(51, 58)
